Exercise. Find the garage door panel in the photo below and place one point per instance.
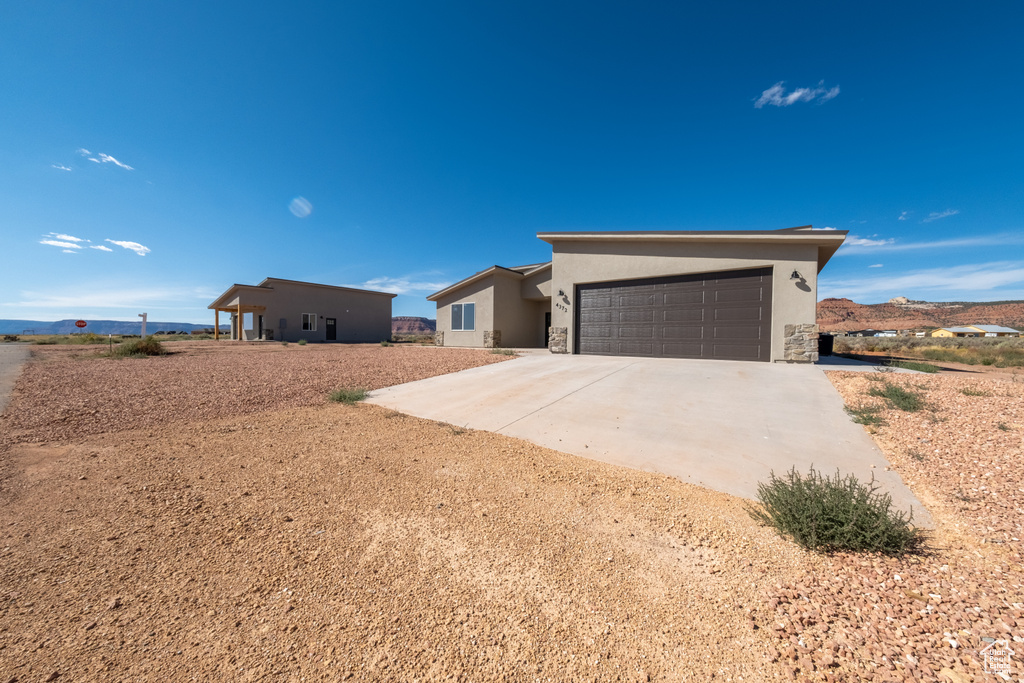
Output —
(738, 295)
(725, 315)
(678, 315)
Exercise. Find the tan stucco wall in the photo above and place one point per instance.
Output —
(362, 317)
(480, 293)
(536, 286)
(793, 302)
(520, 321)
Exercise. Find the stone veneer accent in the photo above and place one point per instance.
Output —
(801, 345)
(438, 338)
(492, 339)
(558, 339)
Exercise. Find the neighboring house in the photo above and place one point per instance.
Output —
(287, 310)
(956, 332)
(995, 330)
(738, 295)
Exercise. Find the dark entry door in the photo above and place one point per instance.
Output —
(724, 315)
(332, 329)
(547, 328)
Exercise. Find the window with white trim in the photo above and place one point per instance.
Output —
(463, 317)
(309, 322)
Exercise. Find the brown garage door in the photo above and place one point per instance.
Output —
(724, 315)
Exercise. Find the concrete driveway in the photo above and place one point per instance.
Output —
(724, 425)
(12, 358)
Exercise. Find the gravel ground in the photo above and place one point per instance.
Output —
(59, 399)
(218, 526)
(922, 618)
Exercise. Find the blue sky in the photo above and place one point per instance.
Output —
(153, 153)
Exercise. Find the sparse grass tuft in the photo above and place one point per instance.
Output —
(1003, 427)
(348, 396)
(503, 352)
(138, 348)
(302, 342)
(868, 415)
(284, 343)
(898, 397)
(833, 514)
(974, 392)
(385, 342)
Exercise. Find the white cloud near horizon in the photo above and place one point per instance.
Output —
(936, 215)
(967, 279)
(117, 297)
(134, 246)
(402, 285)
(100, 247)
(850, 247)
(778, 97)
(854, 241)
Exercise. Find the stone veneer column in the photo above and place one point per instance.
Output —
(438, 338)
(558, 339)
(801, 345)
(492, 339)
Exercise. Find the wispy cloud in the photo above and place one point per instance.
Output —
(60, 243)
(968, 281)
(936, 215)
(861, 246)
(70, 251)
(875, 265)
(100, 247)
(134, 246)
(778, 97)
(60, 167)
(115, 297)
(854, 241)
(903, 216)
(67, 238)
(402, 285)
(107, 159)
(102, 159)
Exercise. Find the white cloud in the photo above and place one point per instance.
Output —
(134, 246)
(936, 215)
(66, 238)
(935, 284)
(100, 247)
(70, 251)
(107, 159)
(59, 243)
(1000, 240)
(401, 285)
(60, 167)
(875, 265)
(903, 216)
(115, 297)
(300, 207)
(854, 241)
(83, 151)
(778, 97)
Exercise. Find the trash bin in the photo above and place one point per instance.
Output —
(825, 344)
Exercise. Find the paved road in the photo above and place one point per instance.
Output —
(720, 424)
(12, 357)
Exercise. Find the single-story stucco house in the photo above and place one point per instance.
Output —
(976, 331)
(736, 295)
(288, 310)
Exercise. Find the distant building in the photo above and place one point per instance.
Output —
(995, 330)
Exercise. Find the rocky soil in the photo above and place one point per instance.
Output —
(216, 537)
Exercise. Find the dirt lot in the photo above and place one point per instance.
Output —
(209, 516)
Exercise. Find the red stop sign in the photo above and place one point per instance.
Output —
(80, 323)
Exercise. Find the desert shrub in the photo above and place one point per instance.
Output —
(302, 342)
(138, 348)
(898, 397)
(914, 365)
(834, 514)
(45, 341)
(385, 342)
(348, 396)
(970, 391)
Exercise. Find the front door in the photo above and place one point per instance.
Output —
(332, 329)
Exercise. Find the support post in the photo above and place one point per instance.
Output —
(240, 320)
(216, 324)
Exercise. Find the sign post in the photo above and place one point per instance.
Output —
(80, 324)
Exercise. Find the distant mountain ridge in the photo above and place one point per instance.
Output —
(97, 327)
(404, 324)
(900, 313)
